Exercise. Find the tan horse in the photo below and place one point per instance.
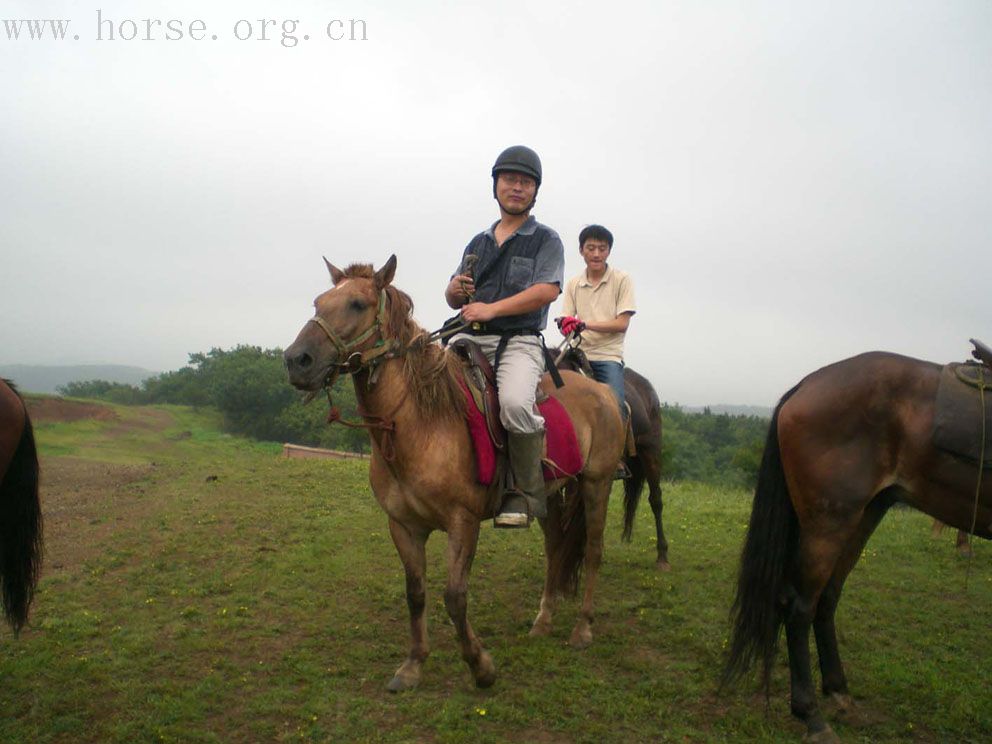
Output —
(423, 469)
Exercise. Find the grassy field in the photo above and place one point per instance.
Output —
(198, 587)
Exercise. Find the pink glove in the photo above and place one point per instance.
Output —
(570, 324)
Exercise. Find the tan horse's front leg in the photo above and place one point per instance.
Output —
(463, 536)
(411, 547)
(596, 495)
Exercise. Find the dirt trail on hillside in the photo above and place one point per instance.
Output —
(83, 503)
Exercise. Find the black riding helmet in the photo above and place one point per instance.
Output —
(518, 159)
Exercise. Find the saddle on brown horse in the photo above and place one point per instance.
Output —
(962, 419)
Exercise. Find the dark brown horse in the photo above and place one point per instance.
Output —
(844, 445)
(645, 463)
(423, 469)
(20, 509)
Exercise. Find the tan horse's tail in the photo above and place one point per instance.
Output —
(566, 525)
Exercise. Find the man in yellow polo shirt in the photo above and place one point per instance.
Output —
(599, 302)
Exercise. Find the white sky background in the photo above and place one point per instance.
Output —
(789, 183)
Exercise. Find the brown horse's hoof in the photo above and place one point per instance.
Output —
(663, 565)
(825, 735)
(844, 703)
(581, 636)
(484, 671)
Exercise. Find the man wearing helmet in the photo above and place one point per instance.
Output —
(518, 268)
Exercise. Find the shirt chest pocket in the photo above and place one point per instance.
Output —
(519, 274)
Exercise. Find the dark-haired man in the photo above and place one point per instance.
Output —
(517, 272)
(600, 303)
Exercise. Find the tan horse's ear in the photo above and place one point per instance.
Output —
(384, 276)
(336, 274)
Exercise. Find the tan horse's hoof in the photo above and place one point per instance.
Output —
(407, 677)
(399, 684)
(540, 628)
(662, 565)
(484, 671)
(825, 735)
(581, 636)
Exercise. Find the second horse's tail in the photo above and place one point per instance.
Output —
(632, 489)
(769, 550)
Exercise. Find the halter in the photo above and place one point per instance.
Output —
(355, 361)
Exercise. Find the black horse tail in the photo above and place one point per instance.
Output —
(20, 530)
(566, 528)
(770, 549)
(632, 488)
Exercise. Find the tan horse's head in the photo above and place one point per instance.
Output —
(349, 318)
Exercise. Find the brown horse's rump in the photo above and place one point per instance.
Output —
(958, 412)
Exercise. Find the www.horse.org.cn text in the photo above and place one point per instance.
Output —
(286, 32)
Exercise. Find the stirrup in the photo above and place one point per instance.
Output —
(513, 513)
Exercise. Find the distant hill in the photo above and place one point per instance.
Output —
(758, 411)
(32, 378)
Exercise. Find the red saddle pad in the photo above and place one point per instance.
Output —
(562, 444)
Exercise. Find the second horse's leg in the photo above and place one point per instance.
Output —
(651, 462)
(463, 536)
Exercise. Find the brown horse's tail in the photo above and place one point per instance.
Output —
(567, 521)
(20, 531)
(770, 549)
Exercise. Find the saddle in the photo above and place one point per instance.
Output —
(562, 455)
(981, 352)
(482, 387)
(960, 419)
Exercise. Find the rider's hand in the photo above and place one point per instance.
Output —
(461, 288)
(570, 324)
(478, 312)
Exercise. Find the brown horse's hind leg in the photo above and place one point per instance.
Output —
(463, 536)
(833, 679)
(595, 495)
(820, 550)
(411, 547)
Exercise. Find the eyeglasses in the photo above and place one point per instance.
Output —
(517, 179)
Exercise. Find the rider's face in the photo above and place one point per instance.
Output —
(515, 192)
(595, 253)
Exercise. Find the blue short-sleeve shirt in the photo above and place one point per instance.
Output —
(534, 254)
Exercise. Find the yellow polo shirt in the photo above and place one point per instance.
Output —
(612, 296)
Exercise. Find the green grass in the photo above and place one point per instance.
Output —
(267, 604)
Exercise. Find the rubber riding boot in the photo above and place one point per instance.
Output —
(527, 498)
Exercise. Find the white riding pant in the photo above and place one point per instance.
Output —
(520, 368)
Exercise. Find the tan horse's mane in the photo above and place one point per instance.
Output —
(429, 371)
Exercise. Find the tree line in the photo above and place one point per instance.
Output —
(247, 385)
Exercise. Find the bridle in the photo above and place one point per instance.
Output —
(354, 360)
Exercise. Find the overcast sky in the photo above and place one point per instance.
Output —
(789, 183)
